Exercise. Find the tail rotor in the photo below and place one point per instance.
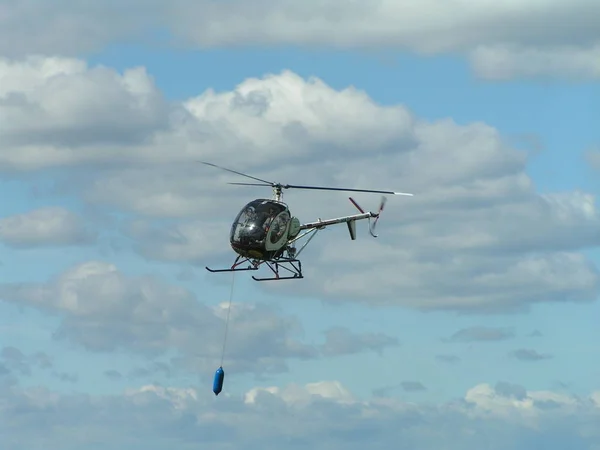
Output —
(372, 225)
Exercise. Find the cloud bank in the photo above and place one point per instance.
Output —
(476, 237)
(320, 415)
(501, 40)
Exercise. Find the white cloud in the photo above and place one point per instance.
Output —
(320, 415)
(508, 62)
(103, 310)
(70, 26)
(427, 26)
(43, 227)
(340, 341)
(525, 354)
(59, 111)
(592, 157)
(14, 360)
(302, 395)
(501, 39)
(476, 237)
(481, 334)
(191, 242)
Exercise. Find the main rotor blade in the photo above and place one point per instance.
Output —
(237, 173)
(286, 186)
(347, 190)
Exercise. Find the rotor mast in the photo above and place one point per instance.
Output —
(277, 192)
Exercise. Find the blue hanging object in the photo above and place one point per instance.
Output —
(220, 373)
(218, 382)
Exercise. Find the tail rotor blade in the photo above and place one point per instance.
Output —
(374, 225)
(382, 204)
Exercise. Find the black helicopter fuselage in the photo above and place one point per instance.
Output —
(261, 229)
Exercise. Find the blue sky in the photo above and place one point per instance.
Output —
(438, 271)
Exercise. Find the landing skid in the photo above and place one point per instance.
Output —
(231, 270)
(292, 266)
(253, 265)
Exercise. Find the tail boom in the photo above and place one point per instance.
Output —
(350, 221)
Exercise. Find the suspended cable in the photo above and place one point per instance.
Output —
(220, 373)
(227, 319)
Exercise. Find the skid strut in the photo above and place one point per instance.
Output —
(293, 266)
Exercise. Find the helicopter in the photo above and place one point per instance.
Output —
(265, 233)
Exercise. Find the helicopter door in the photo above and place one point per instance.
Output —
(277, 235)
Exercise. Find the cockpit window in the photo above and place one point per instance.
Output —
(253, 222)
(278, 227)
